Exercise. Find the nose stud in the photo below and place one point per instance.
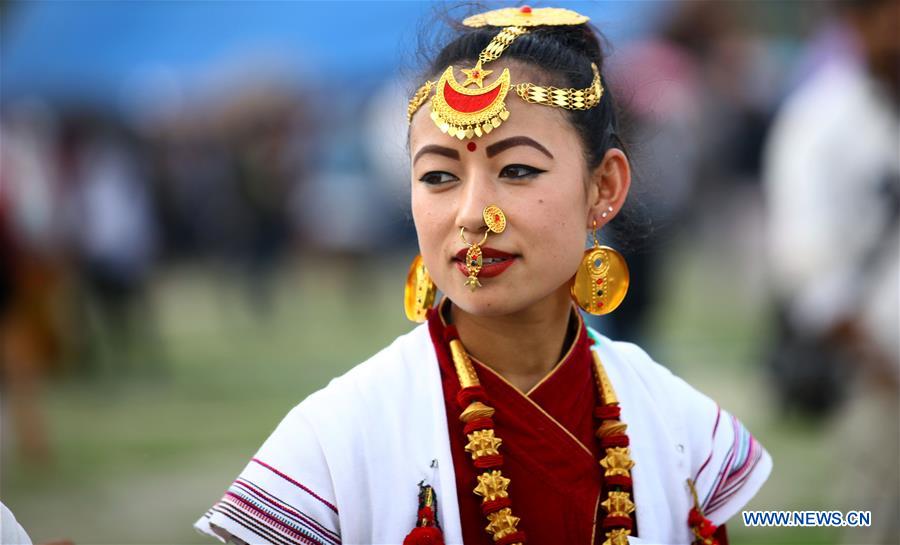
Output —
(494, 218)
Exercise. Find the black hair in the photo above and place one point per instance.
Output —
(561, 56)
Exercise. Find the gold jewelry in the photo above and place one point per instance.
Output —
(484, 446)
(570, 99)
(474, 259)
(494, 218)
(526, 16)
(500, 42)
(418, 98)
(464, 112)
(602, 279)
(476, 75)
(418, 294)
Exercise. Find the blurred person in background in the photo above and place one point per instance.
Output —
(32, 340)
(263, 177)
(507, 179)
(832, 183)
(113, 230)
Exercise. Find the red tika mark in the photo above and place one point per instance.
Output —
(471, 146)
(468, 104)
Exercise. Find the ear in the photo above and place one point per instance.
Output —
(608, 187)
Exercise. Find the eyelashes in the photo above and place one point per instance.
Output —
(514, 172)
(520, 171)
(437, 177)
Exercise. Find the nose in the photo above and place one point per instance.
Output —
(476, 195)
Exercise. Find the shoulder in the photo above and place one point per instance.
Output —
(727, 463)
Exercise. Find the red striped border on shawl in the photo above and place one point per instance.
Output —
(252, 491)
(295, 483)
(742, 457)
(257, 509)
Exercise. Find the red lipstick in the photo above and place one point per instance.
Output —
(488, 269)
(486, 251)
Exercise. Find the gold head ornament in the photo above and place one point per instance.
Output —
(526, 16)
(466, 112)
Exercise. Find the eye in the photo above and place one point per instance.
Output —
(437, 177)
(520, 171)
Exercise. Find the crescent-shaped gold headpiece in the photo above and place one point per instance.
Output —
(465, 112)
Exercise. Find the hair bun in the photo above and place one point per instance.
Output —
(581, 38)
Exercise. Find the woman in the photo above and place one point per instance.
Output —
(487, 424)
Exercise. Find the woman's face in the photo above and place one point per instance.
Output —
(533, 168)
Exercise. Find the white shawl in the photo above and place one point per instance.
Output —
(343, 466)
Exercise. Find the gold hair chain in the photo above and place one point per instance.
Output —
(500, 42)
(570, 99)
(420, 97)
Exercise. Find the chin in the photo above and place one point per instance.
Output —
(488, 300)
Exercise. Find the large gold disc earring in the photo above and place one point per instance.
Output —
(602, 279)
(418, 294)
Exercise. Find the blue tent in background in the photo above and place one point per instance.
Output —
(102, 51)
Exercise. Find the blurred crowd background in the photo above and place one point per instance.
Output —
(204, 217)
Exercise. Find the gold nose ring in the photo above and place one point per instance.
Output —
(495, 220)
(462, 236)
(474, 259)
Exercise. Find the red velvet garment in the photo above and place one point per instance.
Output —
(550, 453)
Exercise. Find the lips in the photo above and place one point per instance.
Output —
(494, 262)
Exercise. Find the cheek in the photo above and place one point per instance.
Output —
(557, 229)
(423, 220)
(430, 226)
(424, 207)
(562, 242)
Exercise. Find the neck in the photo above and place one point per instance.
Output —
(522, 347)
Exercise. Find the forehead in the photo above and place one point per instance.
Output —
(546, 123)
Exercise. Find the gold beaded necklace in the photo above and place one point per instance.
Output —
(484, 447)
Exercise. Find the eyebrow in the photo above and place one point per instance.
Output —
(514, 141)
(438, 150)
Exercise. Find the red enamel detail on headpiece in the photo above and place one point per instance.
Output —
(525, 9)
(468, 104)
